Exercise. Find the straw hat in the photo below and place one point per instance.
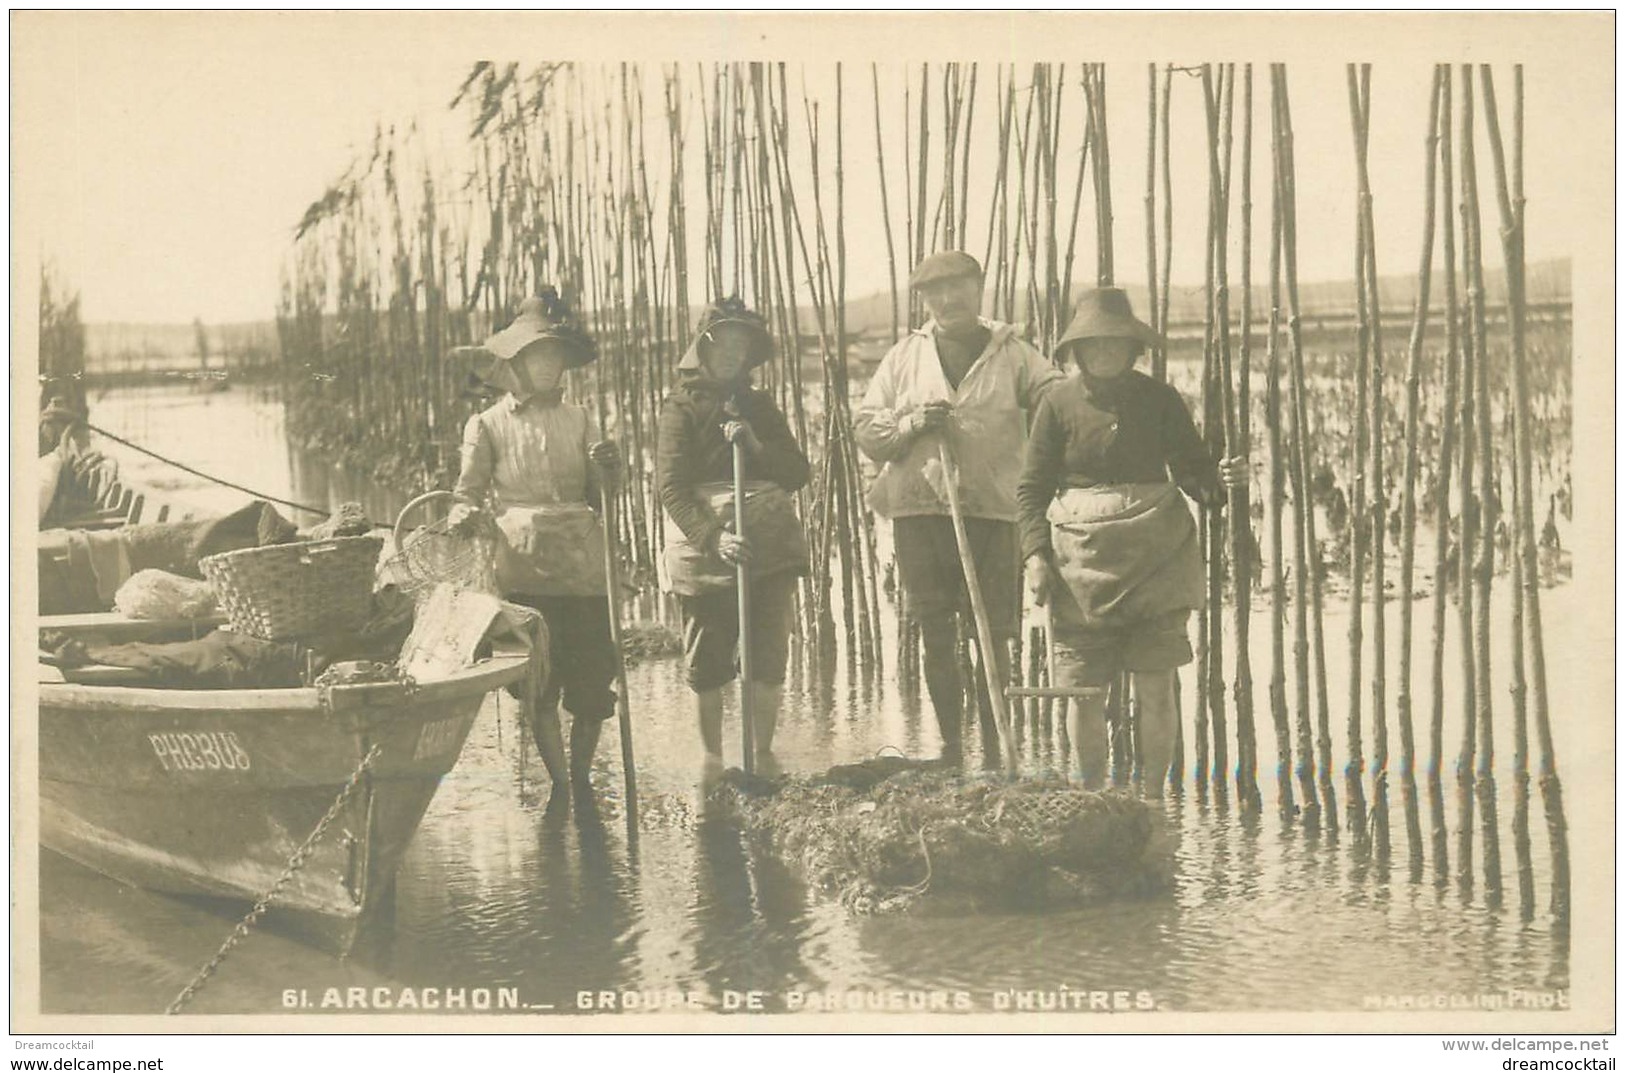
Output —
(546, 316)
(729, 311)
(1105, 313)
(946, 264)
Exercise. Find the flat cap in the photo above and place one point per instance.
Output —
(945, 264)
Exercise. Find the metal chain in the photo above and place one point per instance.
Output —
(295, 863)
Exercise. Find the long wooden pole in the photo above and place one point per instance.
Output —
(1439, 830)
(1528, 594)
(1277, 504)
(742, 572)
(1241, 533)
(984, 631)
(1354, 769)
(885, 205)
(1379, 494)
(1303, 437)
(1159, 361)
(1150, 206)
(623, 711)
(1103, 179)
(1484, 559)
(1471, 514)
(1407, 552)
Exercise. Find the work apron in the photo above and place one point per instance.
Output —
(777, 542)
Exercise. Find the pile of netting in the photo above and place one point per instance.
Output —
(893, 833)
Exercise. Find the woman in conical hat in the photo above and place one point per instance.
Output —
(527, 461)
(1109, 543)
(714, 406)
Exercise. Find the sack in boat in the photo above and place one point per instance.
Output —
(556, 550)
(80, 570)
(158, 594)
(777, 542)
(1128, 553)
(177, 546)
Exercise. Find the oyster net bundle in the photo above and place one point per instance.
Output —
(888, 833)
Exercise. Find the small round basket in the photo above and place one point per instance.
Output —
(433, 554)
(288, 591)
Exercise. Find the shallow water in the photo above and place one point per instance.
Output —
(493, 893)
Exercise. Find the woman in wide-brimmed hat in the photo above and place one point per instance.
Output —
(527, 461)
(1109, 543)
(713, 407)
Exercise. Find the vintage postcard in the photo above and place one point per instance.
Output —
(751, 522)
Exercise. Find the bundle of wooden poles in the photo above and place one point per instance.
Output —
(743, 189)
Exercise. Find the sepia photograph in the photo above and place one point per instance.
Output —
(731, 522)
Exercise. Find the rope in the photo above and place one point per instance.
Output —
(925, 884)
(296, 862)
(209, 476)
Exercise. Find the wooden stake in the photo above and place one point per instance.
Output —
(1354, 770)
(1512, 237)
(1407, 552)
(1446, 461)
(1277, 502)
(1303, 437)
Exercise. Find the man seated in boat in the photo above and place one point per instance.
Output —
(526, 460)
(66, 459)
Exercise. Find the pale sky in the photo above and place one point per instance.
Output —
(162, 159)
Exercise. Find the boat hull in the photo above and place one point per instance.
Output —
(188, 794)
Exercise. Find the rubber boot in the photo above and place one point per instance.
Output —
(947, 691)
(708, 703)
(765, 699)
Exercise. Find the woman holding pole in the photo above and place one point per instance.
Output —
(727, 465)
(1108, 542)
(526, 461)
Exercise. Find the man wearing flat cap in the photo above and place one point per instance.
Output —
(965, 380)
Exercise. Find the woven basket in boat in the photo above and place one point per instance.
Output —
(432, 555)
(287, 591)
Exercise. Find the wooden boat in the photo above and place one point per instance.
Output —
(210, 792)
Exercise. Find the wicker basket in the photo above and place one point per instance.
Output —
(434, 555)
(287, 591)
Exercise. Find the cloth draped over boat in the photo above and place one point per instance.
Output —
(1127, 553)
(81, 570)
(222, 659)
(778, 544)
(218, 660)
(448, 630)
